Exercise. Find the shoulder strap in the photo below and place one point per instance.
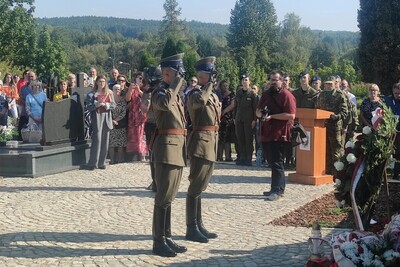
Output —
(41, 105)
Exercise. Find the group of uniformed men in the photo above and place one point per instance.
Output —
(169, 149)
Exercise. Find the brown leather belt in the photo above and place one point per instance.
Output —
(211, 128)
(172, 131)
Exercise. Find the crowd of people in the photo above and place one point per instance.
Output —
(160, 117)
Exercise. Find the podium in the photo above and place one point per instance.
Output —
(311, 159)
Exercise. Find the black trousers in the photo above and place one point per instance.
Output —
(275, 155)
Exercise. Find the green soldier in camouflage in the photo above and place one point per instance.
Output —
(333, 99)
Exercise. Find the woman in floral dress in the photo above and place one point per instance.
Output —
(370, 104)
(136, 145)
(227, 127)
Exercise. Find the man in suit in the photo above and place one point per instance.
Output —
(205, 112)
(168, 152)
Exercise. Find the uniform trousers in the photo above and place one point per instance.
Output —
(334, 146)
(200, 174)
(244, 135)
(167, 179)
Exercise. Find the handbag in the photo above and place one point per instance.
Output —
(122, 123)
(298, 135)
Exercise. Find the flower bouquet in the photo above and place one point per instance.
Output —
(7, 133)
(359, 172)
(360, 248)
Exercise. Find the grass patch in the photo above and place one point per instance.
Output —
(338, 211)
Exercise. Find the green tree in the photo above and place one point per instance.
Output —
(228, 70)
(321, 55)
(171, 25)
(253, 23)
(17, 32)
(294, 50)
(50, 58)
(379, 49)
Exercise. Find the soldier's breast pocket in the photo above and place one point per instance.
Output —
(247, 102)
(203, 136)
(169, 141)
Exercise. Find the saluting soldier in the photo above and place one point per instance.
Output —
(205, 112)
(333, 99)
(245, 120)
(168, 152)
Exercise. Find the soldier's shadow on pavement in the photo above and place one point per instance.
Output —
(107, 191)
(230, 179)
(64, 244)
(233, 166)
(292, 255)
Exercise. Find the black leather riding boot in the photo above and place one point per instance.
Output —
(192, 230)
(202, 229)
(160, 246)
(168, 236)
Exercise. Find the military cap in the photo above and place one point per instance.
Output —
(303, 73)
(337, 76)
(330, 79)
(315, 78)
(175, 62)
(245, 75)
(206, 64)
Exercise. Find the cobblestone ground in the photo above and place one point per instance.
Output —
(103, 218)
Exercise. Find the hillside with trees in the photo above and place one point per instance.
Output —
(74, 44)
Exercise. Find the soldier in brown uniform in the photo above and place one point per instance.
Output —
(245, 120)
(205, 112)
(168, 153)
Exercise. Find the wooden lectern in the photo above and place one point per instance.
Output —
(311, 159)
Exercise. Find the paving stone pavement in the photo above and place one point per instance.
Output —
(103, 218)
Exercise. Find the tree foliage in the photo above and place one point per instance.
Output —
(253, 24)
(17, 32)
(295, 46)
(172, 26)
(50, 59)
(379, 49)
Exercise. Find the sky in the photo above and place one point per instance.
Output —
(338, 15)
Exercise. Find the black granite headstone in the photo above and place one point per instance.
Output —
(62, 122)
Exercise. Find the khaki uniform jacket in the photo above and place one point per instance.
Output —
(205, 110)
(305, 99)
(245, 106)
(169, 114)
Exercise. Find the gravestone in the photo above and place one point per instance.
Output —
(63, 144)
(62, 122)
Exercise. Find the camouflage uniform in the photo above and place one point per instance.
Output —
(334, 101)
